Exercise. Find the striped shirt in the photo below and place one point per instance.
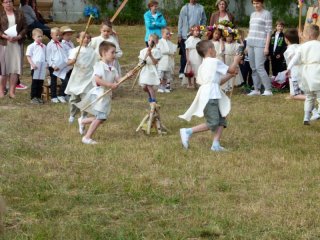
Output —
(260, 27)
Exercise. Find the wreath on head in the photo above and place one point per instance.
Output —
(227, 28)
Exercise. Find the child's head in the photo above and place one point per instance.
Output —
(195, 31)
(205, 48)
(37, 34)
(153, 40)
(107, 51)
(106, 29)
(217, 34)
(312, 32)
(291, 36)
(85, 36)
(279, 25)
(166, 33)
(55, 34)
(230, 38)
(66, 32)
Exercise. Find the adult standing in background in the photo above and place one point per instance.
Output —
(11, 46)
(153, 20)
(260, 30)
(191, 14)
(222, 13)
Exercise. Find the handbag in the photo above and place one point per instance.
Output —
(188, 71)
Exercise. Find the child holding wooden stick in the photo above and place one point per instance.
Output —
(149, 76)
(80, 80)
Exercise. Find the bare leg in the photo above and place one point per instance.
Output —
(151, 92)
(200, 128)
(88, 120)
(93, 127)
(218, 134)
(3, 85)
(13, 82)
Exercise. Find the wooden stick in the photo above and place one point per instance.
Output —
(115, 15)
(85, 32)
(134, 71)
(300, 16)
(142, 122)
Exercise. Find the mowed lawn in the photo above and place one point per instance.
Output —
(134, 186)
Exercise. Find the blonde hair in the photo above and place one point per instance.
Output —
(55, 30)
(37, 31)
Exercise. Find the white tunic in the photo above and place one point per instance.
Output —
(80, 79)
(218, 48)
(209, 77)
(149, 74)
(167, 49)
(230, 51)
(103, 105)
(308, 56)
(95, 43)
(37, 53)
(194, 57)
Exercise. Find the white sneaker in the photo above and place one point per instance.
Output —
(160, 90)
(166, 90)
(81, 126)
(267, 93)
(184, 138)
(71, 119)
(315, 116)
(62, 99)
(88, 141)
(254, 93)
(54, 100)
(181, 75)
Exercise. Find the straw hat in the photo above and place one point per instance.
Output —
(65, 29)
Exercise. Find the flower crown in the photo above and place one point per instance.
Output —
(200, 28)
(226, 28)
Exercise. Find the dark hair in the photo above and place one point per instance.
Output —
(107, 22)
(210, 33)
(22, 2)
(203, 47)
(261, 1)
(105, 46)
(152, 3)
(292, 35)
(280, 22)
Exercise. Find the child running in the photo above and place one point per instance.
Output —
(149, 76)
(36, 55)
(210, 101)
(80, 80)
(166, 63)
(308, 57)
(105, 76)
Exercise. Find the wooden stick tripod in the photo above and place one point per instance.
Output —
(152, 120)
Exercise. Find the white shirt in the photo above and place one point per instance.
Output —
(55, 54)
(222, 70)
(37, 52)
(276, 41)
(67, 46)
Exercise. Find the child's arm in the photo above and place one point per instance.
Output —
(295, 60)
(154, 61)
(34, 66)
(71, 62)
(100, 82)
(226, 78)
(187, 55)
(233, 68)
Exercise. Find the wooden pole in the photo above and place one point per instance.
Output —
(300, 19)
(115, 15)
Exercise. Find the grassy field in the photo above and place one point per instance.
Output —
(133, 186)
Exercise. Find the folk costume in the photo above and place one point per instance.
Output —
(149, 73)
(295, 77)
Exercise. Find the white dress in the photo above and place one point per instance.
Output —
(230, 51)
(95, 43)
(80, 79)
(218, 48)
(108, 74)
(149, 74)
(167, 49)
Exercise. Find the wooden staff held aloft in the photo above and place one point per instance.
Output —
(123, 4)
(134, 71)
(92, 13)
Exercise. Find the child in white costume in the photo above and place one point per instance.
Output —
(215, 34)
(308, 56)
(193, 58)
(80, 80)
(210, 101)
(107, 35)
(105, 76)
(166, 63)
(149, 74)
(230, 50)
(36, 55)
(291, 37)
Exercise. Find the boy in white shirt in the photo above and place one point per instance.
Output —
(166, 63)
(308, 56)
(210, 101)
(36, 55)
(57, 60)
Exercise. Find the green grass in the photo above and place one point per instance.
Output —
(133, 186)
